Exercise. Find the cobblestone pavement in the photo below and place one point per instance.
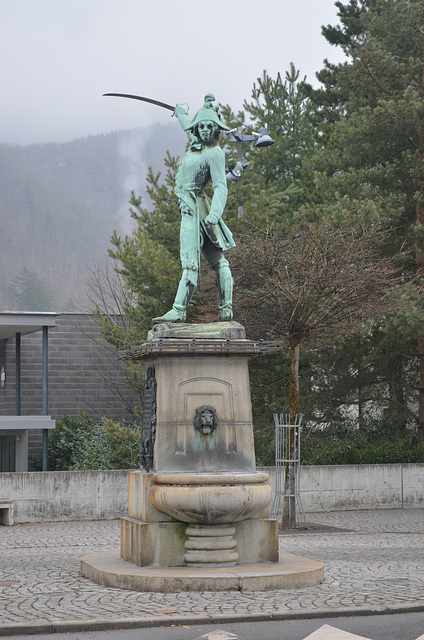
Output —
(374, 562)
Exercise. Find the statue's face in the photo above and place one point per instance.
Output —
(207, 419)
(207, 130)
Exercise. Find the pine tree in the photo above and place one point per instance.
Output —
(273, 185)
(372, 167)
(29, 293)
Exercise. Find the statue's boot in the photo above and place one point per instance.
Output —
(183, 296)
(175, 314)
(224, 282)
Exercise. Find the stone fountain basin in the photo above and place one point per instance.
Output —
(210, 498)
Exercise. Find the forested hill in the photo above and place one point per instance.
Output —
(59, 204)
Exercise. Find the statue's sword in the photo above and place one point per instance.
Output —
(156, 102)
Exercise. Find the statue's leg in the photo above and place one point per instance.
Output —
(224, 279)
(224, 282)
(186, 288)
(189, 262)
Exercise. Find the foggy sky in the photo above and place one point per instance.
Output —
(57, 58)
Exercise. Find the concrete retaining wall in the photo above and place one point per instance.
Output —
(350, 487)
(66, 495)
(90, 495)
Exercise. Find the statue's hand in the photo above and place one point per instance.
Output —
(180, 111)
(211, 219)
(185, 209)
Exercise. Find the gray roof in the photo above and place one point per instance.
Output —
(13, 322)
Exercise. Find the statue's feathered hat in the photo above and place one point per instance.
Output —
(209, 112)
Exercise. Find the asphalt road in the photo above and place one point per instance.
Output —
(404, 626)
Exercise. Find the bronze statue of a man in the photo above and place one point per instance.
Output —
(202, 228)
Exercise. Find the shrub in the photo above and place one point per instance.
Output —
(82, 444)
(374, 443)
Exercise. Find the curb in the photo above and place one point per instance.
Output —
(114, 624)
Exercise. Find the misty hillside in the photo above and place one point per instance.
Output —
(59, 204)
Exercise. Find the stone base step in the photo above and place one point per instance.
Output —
(291, 572)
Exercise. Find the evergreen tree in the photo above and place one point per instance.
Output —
(29, 293)
(285, 108)
(273, 185)
(372, 167)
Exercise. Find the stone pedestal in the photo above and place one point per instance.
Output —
(186, 383)
(204, 459)
(202, 506)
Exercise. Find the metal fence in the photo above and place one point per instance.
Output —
(287, 500)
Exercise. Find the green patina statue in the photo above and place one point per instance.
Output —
(202, 228)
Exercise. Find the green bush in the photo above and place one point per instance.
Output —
(79, 444)
(377, 442)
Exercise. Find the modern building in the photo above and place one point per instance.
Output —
(53, 365)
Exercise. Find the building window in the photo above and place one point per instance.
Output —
(7, 453)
